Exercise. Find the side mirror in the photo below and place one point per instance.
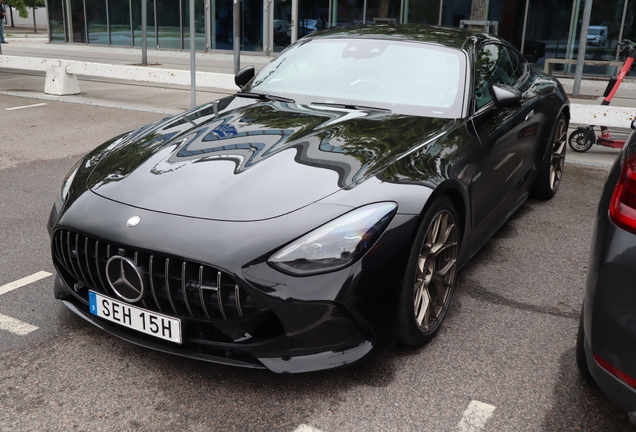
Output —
(505, 96)
(244, 76)
(634, 124)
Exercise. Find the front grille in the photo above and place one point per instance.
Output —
(173, 286)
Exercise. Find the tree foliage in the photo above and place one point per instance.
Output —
(22, 6)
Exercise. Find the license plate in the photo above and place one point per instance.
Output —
(145, 321)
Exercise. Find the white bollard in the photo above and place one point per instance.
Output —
(59, 82)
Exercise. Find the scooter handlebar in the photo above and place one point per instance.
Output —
(626, 44)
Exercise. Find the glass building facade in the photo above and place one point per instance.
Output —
(540, 28)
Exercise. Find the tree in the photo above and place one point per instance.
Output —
(384, 9)
(22, 5)
(478, 13)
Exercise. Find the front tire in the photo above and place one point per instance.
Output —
(429, 279)
(553, 162)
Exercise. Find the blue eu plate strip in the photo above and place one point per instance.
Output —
(92, 301)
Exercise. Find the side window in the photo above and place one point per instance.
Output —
(518, 63)
(492, 66)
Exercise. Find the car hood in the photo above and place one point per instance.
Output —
(243, 160)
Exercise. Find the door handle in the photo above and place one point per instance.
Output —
(530, 115)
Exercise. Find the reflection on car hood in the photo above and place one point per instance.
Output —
(245, 160)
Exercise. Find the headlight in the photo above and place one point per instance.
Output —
(336, 244)
(66, 184)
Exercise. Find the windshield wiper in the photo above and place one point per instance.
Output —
(350, 106)
(265, 96)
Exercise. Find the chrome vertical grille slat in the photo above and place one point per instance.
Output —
(99, 275)
(219, 294)
(184, 288)
(61, 250)
(136, 261)
(205, 309)
(151, 278)
(70, 253)
(79, 260)
(173, 285)
(88, 264)
(107, 286)
(237, 298)
(167, 274)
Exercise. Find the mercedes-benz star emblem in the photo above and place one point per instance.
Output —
(124, 278)
(133, 221)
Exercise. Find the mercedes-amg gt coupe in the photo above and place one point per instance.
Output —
(319, 214)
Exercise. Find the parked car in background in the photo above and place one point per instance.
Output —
(606, 342)
(308, 26)
(320, 213)
(282, 32)
(597, 35)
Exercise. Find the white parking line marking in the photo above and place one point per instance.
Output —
(25, 106)
(15, 326)
(24, 281)
(306, 428)
(475, 416)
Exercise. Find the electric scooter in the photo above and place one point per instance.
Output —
(584, 137)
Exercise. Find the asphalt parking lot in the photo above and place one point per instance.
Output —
(504, 359)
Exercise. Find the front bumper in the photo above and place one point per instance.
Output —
(342, 343)
(251, 315)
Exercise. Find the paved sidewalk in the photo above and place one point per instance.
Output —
(24, 31)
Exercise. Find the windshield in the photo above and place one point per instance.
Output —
(594, 31)
(403, 77)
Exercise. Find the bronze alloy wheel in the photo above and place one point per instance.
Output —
(428, 283)
(558, 153)
(435, 272)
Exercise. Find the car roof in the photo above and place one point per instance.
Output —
(446, 36)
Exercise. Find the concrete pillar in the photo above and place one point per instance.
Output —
(60, 83)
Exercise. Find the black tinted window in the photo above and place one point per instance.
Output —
(518, 63)
(493, 66)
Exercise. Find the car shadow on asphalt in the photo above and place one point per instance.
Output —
(190, 393)
(580, 405)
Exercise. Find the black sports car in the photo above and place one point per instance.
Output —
(606, 342)
(321, 212)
